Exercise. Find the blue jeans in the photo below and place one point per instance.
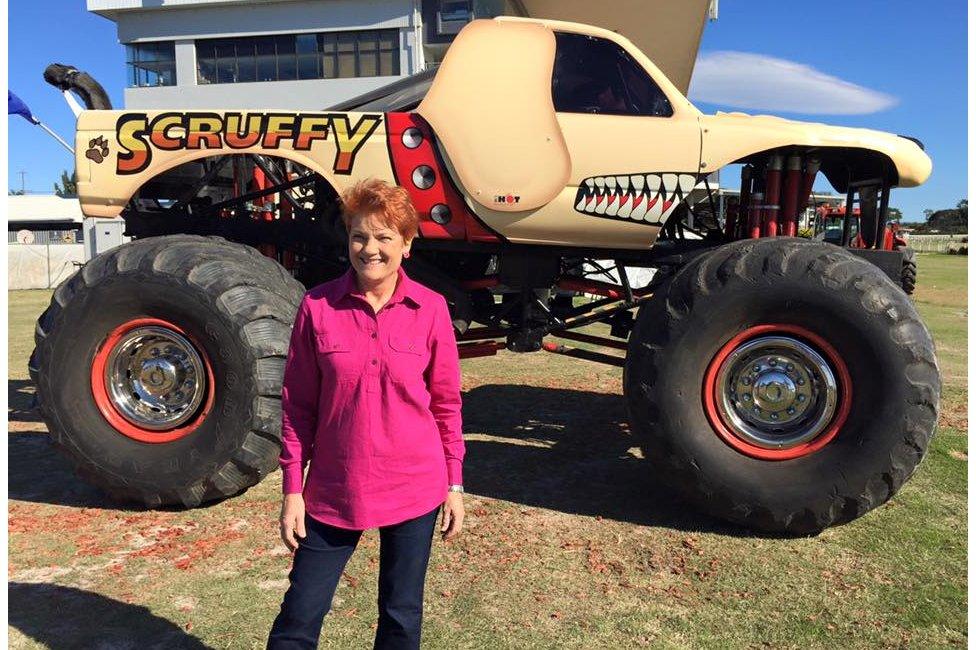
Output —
(318, 565)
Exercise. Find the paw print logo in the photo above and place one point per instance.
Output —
(97, 149)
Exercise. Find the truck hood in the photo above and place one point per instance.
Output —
(728, 137)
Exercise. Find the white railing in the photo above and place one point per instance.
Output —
(936, 243)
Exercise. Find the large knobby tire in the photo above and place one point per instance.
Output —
(805, 296)
(909, 270)
(177, 313)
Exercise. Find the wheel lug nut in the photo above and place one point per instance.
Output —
(774, 416)
(800, 381)
(801, 398)
(791, 410)
(746, 397)
(746, 381)
(757, 368)
(772, 362)
(789, 366)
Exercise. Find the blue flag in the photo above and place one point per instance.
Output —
(16, 106)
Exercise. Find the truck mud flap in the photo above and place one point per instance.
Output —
(888, 261)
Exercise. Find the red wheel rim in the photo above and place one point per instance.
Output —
(111, 412)
(737, 442)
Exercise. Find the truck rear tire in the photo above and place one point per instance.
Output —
(158, 368)
(782, 384)
(909, 270)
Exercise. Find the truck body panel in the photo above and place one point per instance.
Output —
(527, 173)
(728, 137)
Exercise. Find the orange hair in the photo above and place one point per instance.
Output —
(391, 204)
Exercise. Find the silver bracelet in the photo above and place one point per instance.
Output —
(455, 488)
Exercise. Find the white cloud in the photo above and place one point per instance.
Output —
(755, 81)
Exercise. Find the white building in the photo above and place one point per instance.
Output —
(44, 240)
(43, 219)
(48, 237)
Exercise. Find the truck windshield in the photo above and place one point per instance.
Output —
(594, 75)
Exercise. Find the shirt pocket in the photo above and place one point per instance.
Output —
(408, 356)
(337, 355)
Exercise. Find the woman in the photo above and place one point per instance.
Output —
(371, 401)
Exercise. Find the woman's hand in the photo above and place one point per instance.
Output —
(452, 516)
(292, 520)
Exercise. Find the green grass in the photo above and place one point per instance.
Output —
(568, 542)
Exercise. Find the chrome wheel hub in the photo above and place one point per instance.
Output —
(155, 378)
(776, 392)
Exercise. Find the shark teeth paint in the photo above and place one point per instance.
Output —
(647, 198)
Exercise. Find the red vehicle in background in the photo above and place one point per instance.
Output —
(834, 227)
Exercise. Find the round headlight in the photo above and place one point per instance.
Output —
(424, 177)
(440, 213)
(412, 138)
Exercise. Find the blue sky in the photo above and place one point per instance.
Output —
(912, 52)
(901, 60)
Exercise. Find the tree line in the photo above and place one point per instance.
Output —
(948, 221)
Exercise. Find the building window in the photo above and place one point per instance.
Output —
(332, 55)
(151, 64)
(452, 15)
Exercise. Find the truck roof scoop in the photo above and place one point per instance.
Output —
(490, 106)
(67, 78)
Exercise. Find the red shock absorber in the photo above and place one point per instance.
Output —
(755, 215)
(806, 187)
(774, 173)
(789, 195)
(261, 183)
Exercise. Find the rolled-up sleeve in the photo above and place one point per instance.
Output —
(299, 401)
(443, 377)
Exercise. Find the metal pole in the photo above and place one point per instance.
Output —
(845, 239)
(882, 216)
(56, 137)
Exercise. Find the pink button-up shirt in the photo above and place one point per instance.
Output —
(373, 401)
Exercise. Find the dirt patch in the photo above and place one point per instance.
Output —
(954, 416)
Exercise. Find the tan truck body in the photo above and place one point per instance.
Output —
(491, 109)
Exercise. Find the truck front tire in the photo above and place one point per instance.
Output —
(783, 385)
(158, 368)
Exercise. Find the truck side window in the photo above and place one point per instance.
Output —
(594, 75)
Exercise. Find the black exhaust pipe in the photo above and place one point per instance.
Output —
(66, 77)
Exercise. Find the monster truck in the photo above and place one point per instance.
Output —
(779, 383)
